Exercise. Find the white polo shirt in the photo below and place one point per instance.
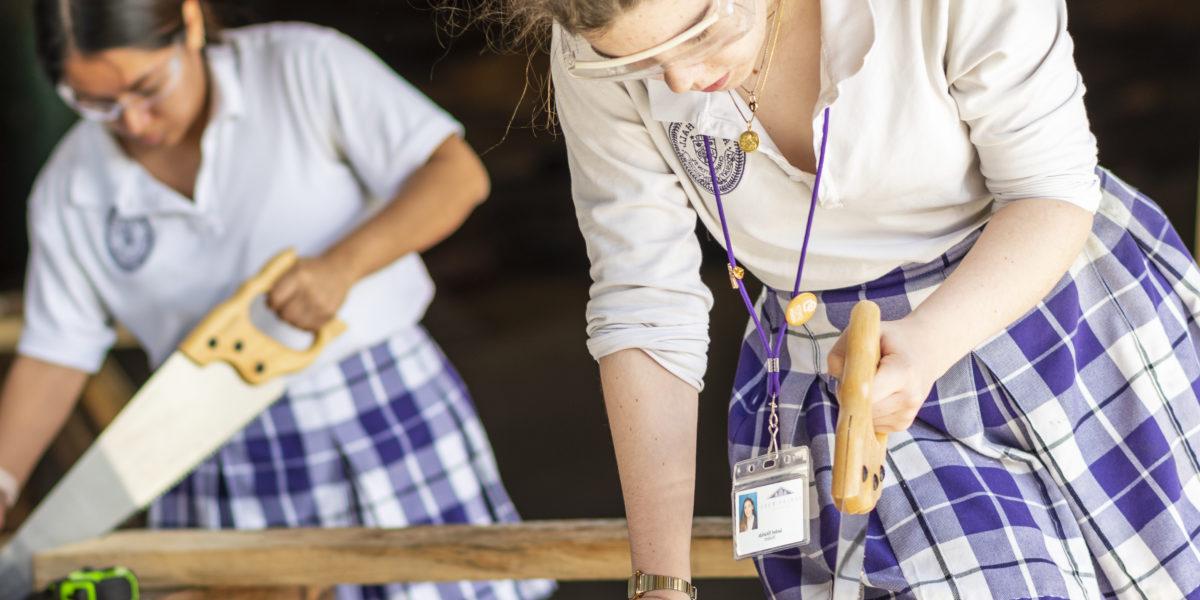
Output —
(309, 134)
(941, 111)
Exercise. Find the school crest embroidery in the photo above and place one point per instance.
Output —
(728, 159)
(129, 240)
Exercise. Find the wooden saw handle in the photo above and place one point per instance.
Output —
(228, 335)
(859, 451)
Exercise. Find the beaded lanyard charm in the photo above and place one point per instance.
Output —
(800, 308)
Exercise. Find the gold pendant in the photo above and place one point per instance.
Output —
(801, 309)
(748, 141)
(735, 275)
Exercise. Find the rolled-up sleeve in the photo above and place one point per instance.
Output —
(639, 231)
(1011, 69)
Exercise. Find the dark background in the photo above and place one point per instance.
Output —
(513, 282)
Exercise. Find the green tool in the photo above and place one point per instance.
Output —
(116, 583)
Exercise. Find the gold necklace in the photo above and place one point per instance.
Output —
(749, 141)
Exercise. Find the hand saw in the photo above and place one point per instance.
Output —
(224, 374)
(858, 450)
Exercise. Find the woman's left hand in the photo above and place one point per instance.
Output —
(310, 293)
(907, 372)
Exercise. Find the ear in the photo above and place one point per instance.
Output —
(193, 23)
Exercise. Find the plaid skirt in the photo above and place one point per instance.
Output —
(1057, 460)
(385, 438)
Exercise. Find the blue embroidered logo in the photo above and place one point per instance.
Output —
(728, 159)
(129, 241)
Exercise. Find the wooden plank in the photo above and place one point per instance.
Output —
(564, 550)
(106, 394)
(72, 441)
(10, 333)
(243, 593)
(229, 593)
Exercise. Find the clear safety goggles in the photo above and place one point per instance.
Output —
(162, 81)
(726, 22)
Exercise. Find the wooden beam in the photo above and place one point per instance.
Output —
(72, 441)
(106, 393)
(10, 333)
(243, 593)
(564, 550)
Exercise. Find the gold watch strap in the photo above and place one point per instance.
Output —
(641, 583)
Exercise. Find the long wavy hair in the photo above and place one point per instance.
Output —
(523, 27)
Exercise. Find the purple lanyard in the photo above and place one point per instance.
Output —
(773, 352)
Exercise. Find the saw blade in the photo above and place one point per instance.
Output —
(181, 416)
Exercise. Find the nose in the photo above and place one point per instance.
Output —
(134, 119)
(682, 79)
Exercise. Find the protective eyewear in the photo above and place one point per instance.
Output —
(726, 22)
(160, 83)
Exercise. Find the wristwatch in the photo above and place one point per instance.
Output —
(641, 583)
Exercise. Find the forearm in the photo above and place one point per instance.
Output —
(1024, 250)
(652, 415)
(431, 205)
(36, 399)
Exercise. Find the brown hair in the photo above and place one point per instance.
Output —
(524, 25)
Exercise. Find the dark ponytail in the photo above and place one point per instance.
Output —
(89, 26)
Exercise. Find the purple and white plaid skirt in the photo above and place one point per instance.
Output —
(387, 437)
(1057, 460)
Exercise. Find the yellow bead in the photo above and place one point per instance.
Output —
(801, 309)
(735, 275)
(748, 141)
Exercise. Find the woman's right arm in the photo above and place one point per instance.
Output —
(647, 319)
(36, 399)
(652, 414)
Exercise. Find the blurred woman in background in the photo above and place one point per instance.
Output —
(200, 155)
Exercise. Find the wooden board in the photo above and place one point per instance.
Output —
(106, 393)
(241, 593)
(565, 550)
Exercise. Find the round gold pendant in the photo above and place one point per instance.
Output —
(748, 141)
(801, 309)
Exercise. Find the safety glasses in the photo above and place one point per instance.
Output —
(159, 84)
(726, 22)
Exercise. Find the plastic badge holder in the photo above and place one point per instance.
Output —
(771, 502)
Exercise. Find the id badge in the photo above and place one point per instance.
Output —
(770, 502)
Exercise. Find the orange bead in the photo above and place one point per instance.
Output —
(801, 309)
